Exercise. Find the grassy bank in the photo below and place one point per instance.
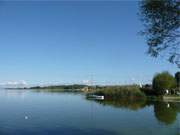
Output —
(171, 98)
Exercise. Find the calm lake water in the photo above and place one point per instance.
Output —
(43, 113)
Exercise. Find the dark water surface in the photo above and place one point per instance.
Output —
(43, 113)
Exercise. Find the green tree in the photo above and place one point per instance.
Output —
(163, 81)
(177, 76)
(161, 19)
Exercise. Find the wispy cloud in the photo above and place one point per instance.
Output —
(12, 84)
(88, 82)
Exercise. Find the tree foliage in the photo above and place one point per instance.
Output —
(177, 76)
(163, 81)
(161, 19)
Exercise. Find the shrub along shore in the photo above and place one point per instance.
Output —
(120, 92)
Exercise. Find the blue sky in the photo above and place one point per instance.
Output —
(73, 42)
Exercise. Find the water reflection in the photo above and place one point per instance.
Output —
(69, 113)
(127, 104)
(15, 94)
(165, 112)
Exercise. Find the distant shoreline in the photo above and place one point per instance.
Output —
(115, 92)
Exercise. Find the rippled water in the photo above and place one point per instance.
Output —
(43, 113)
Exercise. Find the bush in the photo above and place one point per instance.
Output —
(116, 92)
(163, 81)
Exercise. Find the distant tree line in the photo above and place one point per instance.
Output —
(74, 86)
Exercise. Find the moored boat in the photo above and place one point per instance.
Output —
(97, 97)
